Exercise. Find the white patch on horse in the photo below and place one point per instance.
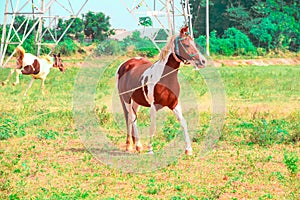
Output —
(178, 113)
(29, 59)
(151, 76)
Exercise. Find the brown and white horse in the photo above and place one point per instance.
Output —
(37, 67)
(142, 83)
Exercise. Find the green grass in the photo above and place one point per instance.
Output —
(42, 156)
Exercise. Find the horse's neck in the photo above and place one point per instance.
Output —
(171, 65)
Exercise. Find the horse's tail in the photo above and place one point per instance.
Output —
(20, 51)
(121, 99)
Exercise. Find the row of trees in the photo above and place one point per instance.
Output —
(269, 24)
(237, 28)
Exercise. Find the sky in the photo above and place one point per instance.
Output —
(120, 17)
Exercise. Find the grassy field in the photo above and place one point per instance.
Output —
(42, 156)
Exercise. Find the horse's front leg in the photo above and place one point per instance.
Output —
(135, 133)
(152, 126)
(43, 86)
(177, 111)
(8, 77)
(18, 72)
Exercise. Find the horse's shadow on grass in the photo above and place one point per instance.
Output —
(99, 151)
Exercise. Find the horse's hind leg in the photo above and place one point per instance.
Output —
(128, 144)
(29, 86)
(177, 111)
(8, 77)
(129, 115)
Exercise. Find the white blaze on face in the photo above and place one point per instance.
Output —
(151, 77)
(201, 62)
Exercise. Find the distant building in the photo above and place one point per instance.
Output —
(120, 34)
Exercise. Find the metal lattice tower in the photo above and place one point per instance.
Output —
(168, 15)
(45, 15)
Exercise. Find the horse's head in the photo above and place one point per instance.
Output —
(186, 50)
(58, 62)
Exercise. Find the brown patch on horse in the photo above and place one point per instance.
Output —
(131, 64)
(19, 63)
(32, 69)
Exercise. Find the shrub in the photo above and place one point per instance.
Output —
(240, 41)
(149, 52)
(233, 42)
(143, 46)
(290, 160)
(263, 133)
(108, 47)
(67, 47)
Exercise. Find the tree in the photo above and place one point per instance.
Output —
(271, 24)
(96, 26)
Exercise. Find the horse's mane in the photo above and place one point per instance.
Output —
(165, 51)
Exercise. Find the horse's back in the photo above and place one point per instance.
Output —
(29, 59)
(135, 66)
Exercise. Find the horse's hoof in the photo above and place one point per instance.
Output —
(128, 148)
(14, 84)
(3, 83)
(151, 152)
(188, 152)
(139, 148)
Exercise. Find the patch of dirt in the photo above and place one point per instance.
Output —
(258, 62)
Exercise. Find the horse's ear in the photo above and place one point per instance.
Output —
(58, 55)
(54, 55)
(184, 30)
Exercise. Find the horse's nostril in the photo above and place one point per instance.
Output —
(203, 61)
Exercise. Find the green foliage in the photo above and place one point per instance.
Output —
(75, 30)
(233, 42)
(109, 47)
(47, 135)
(290, 160)
(67, 47)
(105, 117)
(142, 46)
(240, 41)
(10, 127)
(263, 133)
(148, 52)
(137, 41)
(145, 21)
(270, 24)
(96, 26)
(171, 128)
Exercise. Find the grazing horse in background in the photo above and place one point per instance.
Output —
(142, 83)
(37, 67)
